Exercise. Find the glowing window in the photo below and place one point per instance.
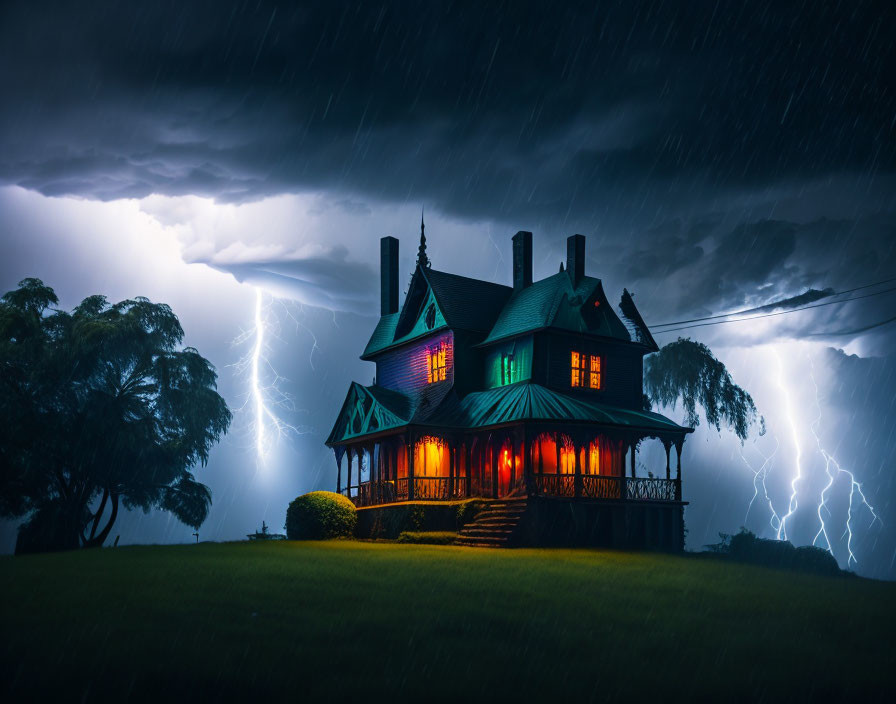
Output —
(436, 363)
(577, 366)
(594, 373)
(431, 457)
(506, 369)
(584, 370)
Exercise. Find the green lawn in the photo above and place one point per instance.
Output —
(349, 620)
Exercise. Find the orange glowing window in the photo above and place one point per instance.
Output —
(584, 370)
(594, 373)
(436, 363)
(431, 457)
(577, 367)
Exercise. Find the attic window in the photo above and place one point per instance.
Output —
(585, 370)
(430, 318)
(436, 363)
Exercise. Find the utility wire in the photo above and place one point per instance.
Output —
(753, 310)
(780, 312)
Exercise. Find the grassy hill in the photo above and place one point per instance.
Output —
(348, 620)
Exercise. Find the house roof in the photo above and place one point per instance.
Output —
(484, 307)
(523, 401)
(555, 303)
(464, 304)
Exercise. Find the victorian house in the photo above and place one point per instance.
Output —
(528, 396)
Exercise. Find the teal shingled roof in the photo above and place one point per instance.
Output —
(554, 303)
(525, 401)
(372, 409)
(466, 304)
(367, 410)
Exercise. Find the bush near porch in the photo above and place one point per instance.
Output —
(320, 515)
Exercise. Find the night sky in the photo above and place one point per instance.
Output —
(718, 156)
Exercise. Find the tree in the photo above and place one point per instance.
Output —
(99, 409)
(688, 371)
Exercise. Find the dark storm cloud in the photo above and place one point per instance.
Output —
(329, 281)
(703, 142)
(512, 109)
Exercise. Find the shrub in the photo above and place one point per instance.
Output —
(433, 537)
(320, 515)
(467, 510)
(747, 547)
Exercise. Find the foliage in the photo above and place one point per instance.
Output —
(432, 537)
(320, 515)
(747, 547)
(99, 408)
(688, 371)
(467, 510)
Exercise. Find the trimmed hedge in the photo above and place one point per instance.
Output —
(432, 537)
(320, 515)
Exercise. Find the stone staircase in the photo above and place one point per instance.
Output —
(494, 526)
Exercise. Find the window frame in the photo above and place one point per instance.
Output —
(585, 370)
(437, 363)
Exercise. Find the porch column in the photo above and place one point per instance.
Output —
(577, 481)
(678, 448)
(527, 464)
(338, 472)
(374, 472)
(667, 446)
(634, 450)
(495, 454)
(469, 477)
(348, 474)
(452, 459)
(412, 444)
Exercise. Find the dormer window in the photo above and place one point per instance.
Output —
(584, 370)
(436, 363)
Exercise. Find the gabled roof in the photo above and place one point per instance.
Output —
(528, 401)
(367, 410)
(462, 304)
(554, 303)
(468, 304)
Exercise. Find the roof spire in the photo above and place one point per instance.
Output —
(422, 259)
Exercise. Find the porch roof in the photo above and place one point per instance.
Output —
(526, 401)
(371, 410)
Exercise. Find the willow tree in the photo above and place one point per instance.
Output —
(687, 372)
(100, 409)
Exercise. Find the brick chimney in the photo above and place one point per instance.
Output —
(522, 260)
(388, 275)
(575, 258)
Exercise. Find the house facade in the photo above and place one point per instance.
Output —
(528, 396)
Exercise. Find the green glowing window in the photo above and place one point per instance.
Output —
(506, 369)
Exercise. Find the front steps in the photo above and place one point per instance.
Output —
(495, 526)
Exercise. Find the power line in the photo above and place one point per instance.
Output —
(753, 310)
(781, 312)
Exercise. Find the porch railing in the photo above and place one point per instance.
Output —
(605, 487)
(425, 489)
(591, 487)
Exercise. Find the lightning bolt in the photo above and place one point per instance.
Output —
(781, 533)
(855, 488)
(265, 384)
(759, 477)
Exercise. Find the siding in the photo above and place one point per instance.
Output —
(621, 368)
(405, 370)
